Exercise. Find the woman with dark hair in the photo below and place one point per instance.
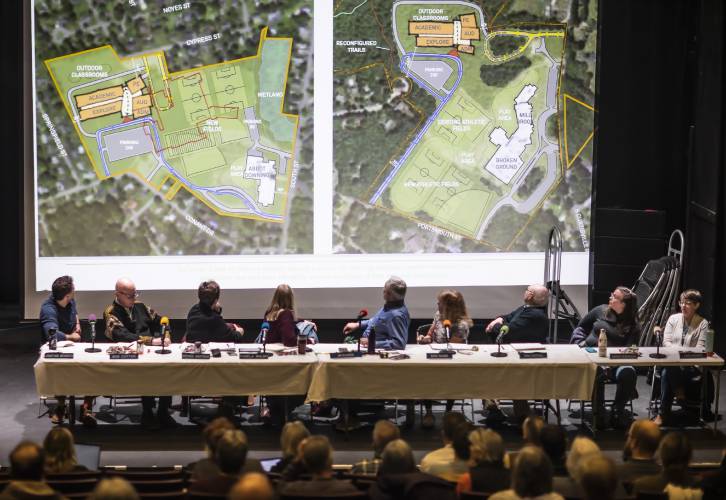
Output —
(684, 329)
(60, 452)
(618, 319)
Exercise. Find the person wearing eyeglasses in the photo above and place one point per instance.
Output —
(129, 320)
(617, 318)
(684, 329)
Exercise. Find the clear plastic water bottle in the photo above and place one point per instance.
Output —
(710, 339)
(602, 344)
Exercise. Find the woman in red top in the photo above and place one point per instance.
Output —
(281, 317)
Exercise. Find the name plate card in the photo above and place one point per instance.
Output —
(255, 355)
(532, 355)
(691, 355)
(439, 355)
(124, 355)
(624, 355)
(195, 355)
(342, 355)
(58, 355)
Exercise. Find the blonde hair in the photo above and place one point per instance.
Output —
(60, 451)
(453, 307)
(292, 435)
(114, 488)
(282, 299)
(581, 449)
(485, 446)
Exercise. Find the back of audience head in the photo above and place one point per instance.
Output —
(60, 451)
(383, 433)
(582, 448)
(531, 428)
(292, 435)
(460, 441)
(114, 488)
(27, 461)
(252, 486)
(675, 454)
(452, 421)
(317, 455)
(643, 439)
(397, 458)
(598, 478)
(213, 431)
(553, 441)
(486, 447)
(231, 452)
(532, 474)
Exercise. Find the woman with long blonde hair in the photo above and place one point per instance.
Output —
(281, 317)
(60, 452)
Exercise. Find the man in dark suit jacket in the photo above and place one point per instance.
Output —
(527, 323)
(204, 320)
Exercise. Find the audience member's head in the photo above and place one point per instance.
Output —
(532, 474)
(643, 440)
(598, 478)
(486, 447)
(554, 443)
(452, 421)
(114, 488)
(252, 486)
(60, 451)
(317, 455)
(675, 454)
(531, 428)
(213, 431)
(231, 452)
(397, 458)
(292, 435)
(383, 433)
(26, 462)
(581, 449)
(460, 441)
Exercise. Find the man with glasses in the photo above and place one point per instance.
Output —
(128, 320)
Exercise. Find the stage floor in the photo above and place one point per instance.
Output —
(126, 443)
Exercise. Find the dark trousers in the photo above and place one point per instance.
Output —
(625, 378)
(688, 380)
(147, 403)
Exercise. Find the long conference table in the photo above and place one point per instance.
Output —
(567, 372)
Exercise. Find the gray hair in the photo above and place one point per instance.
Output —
(114, 488)
(396, 286)
(397, 458)
(292, 435)
(540, 295)
(581, 449)
(485, 446)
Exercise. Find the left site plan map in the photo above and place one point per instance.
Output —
(193, 125)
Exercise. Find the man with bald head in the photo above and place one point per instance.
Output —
(527, 323)
(252, 486)
(128, 320)
(639, 451)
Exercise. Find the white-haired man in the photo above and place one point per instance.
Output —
(528, 322)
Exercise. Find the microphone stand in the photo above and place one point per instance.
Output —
(448, 349)
(163, 349)
(93, 347)
(499, 353)
(658, 341)
(264, 341)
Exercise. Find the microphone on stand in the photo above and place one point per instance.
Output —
(447, 330)
(164, 325)
(658, 332)
(359, 319)
(503, 331)
(92, 322)
(264, 328)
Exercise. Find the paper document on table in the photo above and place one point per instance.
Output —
(532, 346)
(453, 347)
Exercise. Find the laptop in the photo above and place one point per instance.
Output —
(269, 463)
(88, 455)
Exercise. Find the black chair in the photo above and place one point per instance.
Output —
(473, 495)
(158, 486)
(352, 496)
(641, 495)
(164, 495)
(73, 486)
(67, 476)
(198, 495)
(361, 481)
(147, 474)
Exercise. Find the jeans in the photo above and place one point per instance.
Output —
(686, 380)
(625, 379)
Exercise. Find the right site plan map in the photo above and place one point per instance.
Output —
(463, 126)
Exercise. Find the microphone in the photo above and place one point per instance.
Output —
(92, 322)
(658, 332)
(361, 315)
(264, 328)
(164, 323)
(447, 330)
(503, 331)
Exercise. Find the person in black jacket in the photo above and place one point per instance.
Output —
(528, 322)
(204, 320)
(130, 321)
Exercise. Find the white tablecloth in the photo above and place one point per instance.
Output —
(672, 358)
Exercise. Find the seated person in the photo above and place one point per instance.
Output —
(598, 479)
(675, 454)
(26, 474)
(487, 473)
(58, 312)
(582, 450)
(384, 432)
(714, 484)
(207, 468)
(114, 488)
(445, 462)
(617, 318)
(684, 329)
(230, 456)
(204, 320)
(252, 486)
(527, 323)
(639, 452)
(60, 452)
(293, 433)
(531, 477)
(553, 441)
(317, 456)
(451, 307)
(128, 320)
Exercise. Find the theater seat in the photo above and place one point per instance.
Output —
(351, 496)
(474, 495)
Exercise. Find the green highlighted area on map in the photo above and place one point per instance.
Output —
(218, 131)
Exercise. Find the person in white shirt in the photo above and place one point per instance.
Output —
(445, 462)
(684, 329)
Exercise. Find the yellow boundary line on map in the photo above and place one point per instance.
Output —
(570, 161)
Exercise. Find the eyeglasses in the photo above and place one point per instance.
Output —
(687, 303)
(132, 295)
(613, 297)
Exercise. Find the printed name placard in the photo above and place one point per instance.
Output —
(124, 355)
(532, 355)
(255, 355)
(623, 355)
(340, 355)
(58, 355)
(195, 355)
(439, 355)
(691, 355)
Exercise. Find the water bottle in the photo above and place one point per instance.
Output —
(52, 339)
(602, 344)
(710, 338)
(372, 341)
(302, 342)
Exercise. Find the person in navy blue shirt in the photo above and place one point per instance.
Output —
(59, 312)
